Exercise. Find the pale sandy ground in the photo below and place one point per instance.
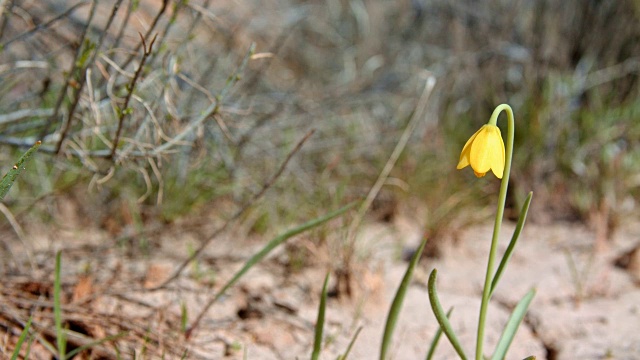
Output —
(585, 307)
(603, 322)
(589, 310)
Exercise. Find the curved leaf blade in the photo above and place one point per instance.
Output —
(436, 338)
(445, 325)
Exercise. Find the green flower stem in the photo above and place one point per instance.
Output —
(512, 244)
(486, 293)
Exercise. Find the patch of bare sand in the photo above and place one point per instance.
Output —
(585, 306)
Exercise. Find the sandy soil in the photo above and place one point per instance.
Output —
(586, 307)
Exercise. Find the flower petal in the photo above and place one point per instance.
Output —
(464, 155)
(479, 174)
(479, 156)
(498, 167)
(487, 151)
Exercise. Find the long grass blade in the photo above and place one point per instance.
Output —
(445, 325)
(396, 305)
(436, 339)
(89, 345)
(317, 343)
(27, 355)
(279, 240)
(353, 341)
(184, 317)
(513, 323)
(9, 178)
(61, 339)
(512, 244)
(23, 336)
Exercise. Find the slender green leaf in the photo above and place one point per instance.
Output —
(353, 341)
(84, 347)
(61, 339)
(530, 358)
(184, 317)
(396, 305)
(23, 336)
(436, 338)
(317, 343)
(277, 241)
(445, 325)
(512, 244)
(27, 355)
(46, 344)
(185, 354)
(9, 178)
(513, 323)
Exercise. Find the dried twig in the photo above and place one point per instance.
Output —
(124, 110)
(82, 76)
(44, 25)
(147, 34)
(169, 24)
(3, 15)
(21, 114)
(23, 64)
(125, 21)
(68, 79)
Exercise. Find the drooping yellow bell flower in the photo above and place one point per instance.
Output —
(484, 151)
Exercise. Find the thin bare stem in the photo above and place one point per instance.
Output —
(172, 20)
(3, 16)
(124, 110)
(147, 34)
(82, 80)
(125, 21)
(68, 79)
(44, 25)
(19, 115)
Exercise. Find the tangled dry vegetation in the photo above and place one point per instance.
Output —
(167, 126)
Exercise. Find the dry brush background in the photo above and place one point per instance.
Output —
(175, 132)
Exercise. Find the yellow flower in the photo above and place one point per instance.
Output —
(484, 151)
